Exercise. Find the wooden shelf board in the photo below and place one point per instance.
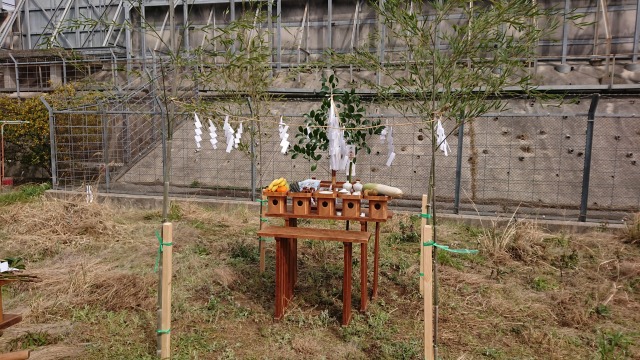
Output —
(315, 234)
(9, 320)
(314, 215)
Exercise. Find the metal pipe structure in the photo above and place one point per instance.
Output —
(3, 123)
(587, 157)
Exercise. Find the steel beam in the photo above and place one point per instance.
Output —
(329, 20)
(56, 30)
(636, 34)
(279, 33)
(185, 24)
(115, 17)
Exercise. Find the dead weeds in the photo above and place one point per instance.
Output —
(527, 293)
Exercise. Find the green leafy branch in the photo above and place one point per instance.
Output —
(312, 138)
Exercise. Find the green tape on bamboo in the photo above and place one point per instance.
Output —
(426, 216)
(160, 248)
(446, 248)
(163, 331)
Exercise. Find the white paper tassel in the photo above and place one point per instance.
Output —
(213, 134)
(89, 194)
(282, 132)
(228, 134)
(383, 134)
(338, 151)
(441, 139)
(198, 129)
(236, 141)
(391, 147)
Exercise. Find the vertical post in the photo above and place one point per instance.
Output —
(52, 144)
(382, 38)
(167, 268)
(363, 270)
(143, 34)
(565, 30)
(427, 283)
(105, 149)
(1, 310)
(270, 30)
(279, 34)
(587, 157)
(232, 17)
(185, 23)
(127, 39)
(636, 35)
(329, 21)
(456, 199)
(376, 261)
(346, 284)
(252, 149)
(76, 10)
(27, 19)
(261, 245)
(563, 68)
(2, 154)
(423, 222)
(15, 67)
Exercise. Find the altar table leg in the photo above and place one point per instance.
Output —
(363, 271)
(280, 269)
(376, 260)
(293, 222)
(291, 266)
(346, 285)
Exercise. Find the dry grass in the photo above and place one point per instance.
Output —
(631, 234)
(527, 293)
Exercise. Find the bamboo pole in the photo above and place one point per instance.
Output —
(167, 269)
(18, 355)
(261, 244)
(423, 222)
(427, 281)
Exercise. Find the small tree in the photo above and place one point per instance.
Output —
(312, 137)
(459, 72)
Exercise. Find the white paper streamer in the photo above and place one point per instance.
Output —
(391, 147)
(213, 134)
(383, 134)
(4, 267)
(282, 132)
(89, 191)
(338, 151)
(236, 141)
(198, 131)
(441, 139)
(228, 134)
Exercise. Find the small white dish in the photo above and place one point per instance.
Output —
(325, 192)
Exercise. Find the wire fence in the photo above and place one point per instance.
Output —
(499, 163)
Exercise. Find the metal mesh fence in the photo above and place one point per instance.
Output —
(615, 172)
(507, 161)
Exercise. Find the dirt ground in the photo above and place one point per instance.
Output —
(528, 294)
